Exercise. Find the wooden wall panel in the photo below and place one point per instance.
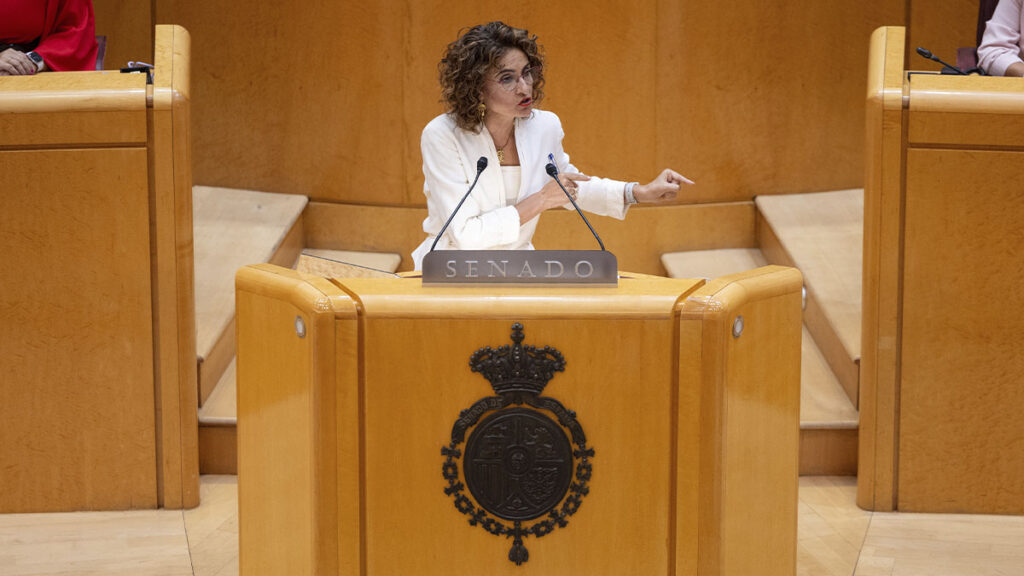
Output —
(941, 27)
(771, 94)
(128, 26)
(747, 98)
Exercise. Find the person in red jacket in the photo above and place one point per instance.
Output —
(37, 35)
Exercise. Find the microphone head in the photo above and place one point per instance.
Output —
(481, 164)
(926, 53)
(551, 170)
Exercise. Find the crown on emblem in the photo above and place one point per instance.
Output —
(517, 368)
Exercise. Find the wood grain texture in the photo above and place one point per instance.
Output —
(287, 393)
(109, 215)
(638, 241)
(73, 91)
(941, 27)
(218, 449)
(77, 332)
(172, 254)
(883, 206)
(940, 224)
(128, 26)
(642, 86)
(749, 390)
(961, 446)
(389, 418)
(816, 318)
(828, 452)
(68, 109)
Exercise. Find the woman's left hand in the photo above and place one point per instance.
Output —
(662, 189)
(15, 63)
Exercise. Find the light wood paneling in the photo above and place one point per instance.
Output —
(748, 394)
(172, 254)
(648, 232)
(218, 449)
(77, 411)
(833, 297)
(289, 386)
(84, 108)
(883, 207)
(99, 262)
(764, 97)
(746, 98)
(128, 26)
(940, 428)
(629, 427)
(940, 26)
(372, 448)
(637, 242)
(828, 452)
(961, 434)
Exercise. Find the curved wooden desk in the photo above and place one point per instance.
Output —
(348, 390)
(97, 342)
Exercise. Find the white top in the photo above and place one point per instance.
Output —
(512, 176)
(488, 220)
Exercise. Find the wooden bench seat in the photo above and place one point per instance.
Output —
(233, 228)
(822, 235)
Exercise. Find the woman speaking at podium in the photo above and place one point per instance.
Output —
(492, 79)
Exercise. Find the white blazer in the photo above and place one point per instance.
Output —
(484, 222)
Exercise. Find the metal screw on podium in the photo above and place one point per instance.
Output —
(300, 327)
(803, 297)
(737, 327)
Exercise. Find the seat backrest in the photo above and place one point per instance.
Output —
(101, 51)
(985, 10)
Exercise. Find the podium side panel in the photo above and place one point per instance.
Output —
(287, 427)
(961, 444)
(883, 207)
(747, 381)
(76, 341)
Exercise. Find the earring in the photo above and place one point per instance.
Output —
(482, 109)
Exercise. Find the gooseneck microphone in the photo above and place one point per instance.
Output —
(553, 172)
(481, 164)
(952, 69)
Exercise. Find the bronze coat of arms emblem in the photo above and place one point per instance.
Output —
(525, 472)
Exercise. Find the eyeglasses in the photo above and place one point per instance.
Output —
(508, 80)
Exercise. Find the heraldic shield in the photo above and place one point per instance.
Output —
(524, 474)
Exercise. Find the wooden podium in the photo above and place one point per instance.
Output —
(941, 385)
(97, 334)
(349, 391)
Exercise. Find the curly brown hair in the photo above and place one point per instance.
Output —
(467, 61)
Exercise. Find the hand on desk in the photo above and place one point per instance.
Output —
(16, 63)
(662, 189)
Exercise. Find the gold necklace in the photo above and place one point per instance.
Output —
(501, 150)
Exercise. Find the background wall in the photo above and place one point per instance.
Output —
(327, 98)
(128, 26)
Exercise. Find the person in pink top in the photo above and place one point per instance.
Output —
(1002, 46)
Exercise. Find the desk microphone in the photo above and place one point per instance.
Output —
(553, 172)
(481, 164)
(948, 69)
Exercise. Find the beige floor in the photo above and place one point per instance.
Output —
(834, 537)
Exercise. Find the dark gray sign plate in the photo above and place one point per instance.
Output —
(520, 267)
